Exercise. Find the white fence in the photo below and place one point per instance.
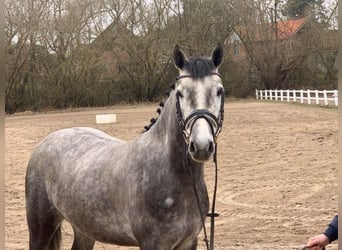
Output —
(326, 97)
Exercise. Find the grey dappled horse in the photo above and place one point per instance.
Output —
(135, 193)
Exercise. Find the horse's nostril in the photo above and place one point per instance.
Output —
(192, 147)
(211, 147)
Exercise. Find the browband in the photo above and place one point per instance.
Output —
(190, 76)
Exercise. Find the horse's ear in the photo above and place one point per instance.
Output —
(179, 57)
(217, 55)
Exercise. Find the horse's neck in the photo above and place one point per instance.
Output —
(167, 128)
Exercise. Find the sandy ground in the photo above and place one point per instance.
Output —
(277, 170)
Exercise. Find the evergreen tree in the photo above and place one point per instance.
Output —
(297, 8)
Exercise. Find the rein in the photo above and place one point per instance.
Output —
(212, 214)
(216, 127)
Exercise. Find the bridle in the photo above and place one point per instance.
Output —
(215, 124)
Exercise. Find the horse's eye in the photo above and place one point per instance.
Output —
(179, 94)
(219, 91)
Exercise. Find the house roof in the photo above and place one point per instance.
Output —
(288, 28)
(285, 29)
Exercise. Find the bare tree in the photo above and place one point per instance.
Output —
(22, 19)
(42, 38)
(274, 53)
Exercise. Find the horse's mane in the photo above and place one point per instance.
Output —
(159, 109)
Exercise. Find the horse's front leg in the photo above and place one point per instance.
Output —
(151, 246)
(193, 245)
(159, 246)
(81, 242)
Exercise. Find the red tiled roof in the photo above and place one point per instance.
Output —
(288, 28)
(285, 29)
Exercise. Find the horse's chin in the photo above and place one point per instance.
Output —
(201, 157)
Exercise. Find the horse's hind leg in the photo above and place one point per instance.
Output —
(44, 221)
(82, 242)
(44, 229)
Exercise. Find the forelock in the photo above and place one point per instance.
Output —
(199, 67)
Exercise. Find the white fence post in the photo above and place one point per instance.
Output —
(281, 95)
(316, 96)
(288, 95)
(294, 95)
(309, 96)
(326, 102)
(256, 94)
(336, 97)
(301, 96)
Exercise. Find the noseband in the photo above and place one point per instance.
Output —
(214, 122)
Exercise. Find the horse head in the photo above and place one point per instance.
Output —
(200, 100)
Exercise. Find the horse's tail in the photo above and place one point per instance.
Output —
(55, 242)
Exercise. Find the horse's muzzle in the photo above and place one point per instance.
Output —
(201, 152)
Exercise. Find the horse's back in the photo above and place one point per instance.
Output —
(75, 135)
(65, 150)
(72, 142)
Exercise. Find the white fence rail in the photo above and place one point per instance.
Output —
(326, 97)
